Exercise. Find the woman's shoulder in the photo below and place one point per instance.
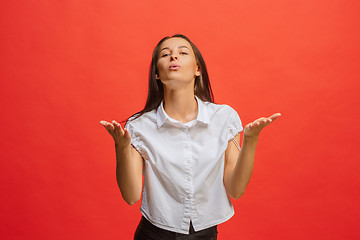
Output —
(145, 118)
(218, 108)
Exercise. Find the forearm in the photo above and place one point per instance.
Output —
(127, 174)
(241, 175)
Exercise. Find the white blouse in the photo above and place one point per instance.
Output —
(184, 166)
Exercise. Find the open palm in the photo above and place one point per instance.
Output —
(253, 129)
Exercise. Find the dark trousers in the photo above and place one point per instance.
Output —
(147, 231)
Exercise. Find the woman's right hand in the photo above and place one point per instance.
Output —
(121, 137)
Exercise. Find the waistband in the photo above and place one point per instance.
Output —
(146, 230)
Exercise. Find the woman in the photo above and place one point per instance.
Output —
(186, 146)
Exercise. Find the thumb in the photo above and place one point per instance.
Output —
(126, 133)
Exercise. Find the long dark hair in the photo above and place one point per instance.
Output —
(202, 87)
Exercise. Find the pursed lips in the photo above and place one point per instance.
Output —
(174, 66)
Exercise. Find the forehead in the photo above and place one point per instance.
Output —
(174, 43)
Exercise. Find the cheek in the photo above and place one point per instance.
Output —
(192, 65)
(160, 66)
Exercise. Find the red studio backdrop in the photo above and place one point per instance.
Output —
(66, 65)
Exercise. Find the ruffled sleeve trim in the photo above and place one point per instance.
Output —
(135, 138)
(234, 125)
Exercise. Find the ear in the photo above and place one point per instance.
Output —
(198, 72)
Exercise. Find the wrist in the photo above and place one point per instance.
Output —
(251, 138)
(122, 147)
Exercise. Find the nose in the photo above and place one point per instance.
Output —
(173, 57)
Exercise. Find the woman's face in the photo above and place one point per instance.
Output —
(177, 63)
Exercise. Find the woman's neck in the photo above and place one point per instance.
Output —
(180, 104)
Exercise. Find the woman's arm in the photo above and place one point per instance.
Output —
(129, 166)
(129, 163)
(239, 165)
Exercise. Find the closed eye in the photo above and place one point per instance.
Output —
(167, 54)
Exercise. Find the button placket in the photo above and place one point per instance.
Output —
(187, 171)
(190, 202)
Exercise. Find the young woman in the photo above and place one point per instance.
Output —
(186, 146)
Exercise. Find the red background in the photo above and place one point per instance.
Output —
(66, 65)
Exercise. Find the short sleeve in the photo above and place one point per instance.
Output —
(234, 125)
(135, 137)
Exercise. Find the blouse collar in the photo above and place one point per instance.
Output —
(162, 117)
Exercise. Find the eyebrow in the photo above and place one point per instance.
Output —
(178, 47)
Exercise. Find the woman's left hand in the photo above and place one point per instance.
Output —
(253, 129)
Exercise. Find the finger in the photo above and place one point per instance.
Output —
(266, 120)
(260, 123)
(261, 120)
(113, 121)
(115, 126)
(118, 127)
(275, 116)
(102, 122)
(254, 124)
(105, 124)
(110, 126)
(116, 123)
